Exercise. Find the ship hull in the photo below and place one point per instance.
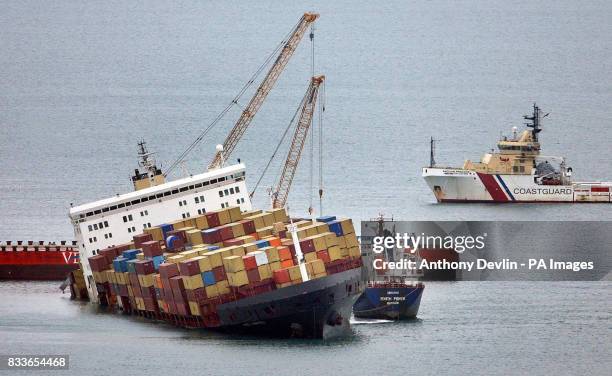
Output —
(36, 272)
(320, 308)
(389, 303)
(460, 185)
(36, 263)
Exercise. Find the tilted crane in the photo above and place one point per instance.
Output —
(281, 192)
(264, 88)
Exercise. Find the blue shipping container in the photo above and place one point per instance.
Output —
(262, 243)
(335, 226)
(130, 254)
(208, 278)
(131, 266)
(157, 261)
(166, 228)
(326, 218)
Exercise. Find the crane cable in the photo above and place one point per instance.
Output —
(312, 70)
(280, 143)
(321, 111)
(232, 103)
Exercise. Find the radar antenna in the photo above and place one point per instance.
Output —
(535, 121)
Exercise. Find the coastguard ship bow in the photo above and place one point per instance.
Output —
(194, 253)
(518, 172)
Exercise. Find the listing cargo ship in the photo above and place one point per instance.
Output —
(37, 260)
(389, 294)
(228, 268)
(194, 253)
(516, 173)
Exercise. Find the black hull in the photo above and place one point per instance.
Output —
(320, 308)
(389, 303)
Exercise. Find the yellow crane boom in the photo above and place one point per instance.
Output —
(264, 88)
(281, 192)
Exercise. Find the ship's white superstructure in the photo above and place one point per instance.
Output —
(115, 220)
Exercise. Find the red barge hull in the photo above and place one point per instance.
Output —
(37, 261)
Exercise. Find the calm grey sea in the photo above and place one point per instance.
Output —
(81, 83)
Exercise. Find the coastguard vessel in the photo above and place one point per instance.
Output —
(518, 172)
(389, 294)
(194, 253)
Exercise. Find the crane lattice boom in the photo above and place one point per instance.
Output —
(264, 88)
(279, 197)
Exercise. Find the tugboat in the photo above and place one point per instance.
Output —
(518, 172)
(389, 294)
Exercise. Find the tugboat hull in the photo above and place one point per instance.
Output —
(390, 303)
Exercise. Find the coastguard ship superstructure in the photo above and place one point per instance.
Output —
(518, 172)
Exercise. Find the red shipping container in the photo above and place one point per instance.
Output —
(253, 275)
(152, 248)
(168, 270)
(198, 295)
(248, 225)
(274, 242)
(282, 234)
(232, 242)
(211, 236)
(219, 273)
(141, 238)
(189, 267)
(178, 289)
(281, 276)
(213, 219)
(284, 253)
(109, 254)
(307, 246)
(148, 292)
(180, 233)
(226, 233)
(287, 263)
(150, 304)
(172, 307)
(323, 255)
(133, 278)
(249, 262)
(144, 267)
(98, 263)
(183, 309)
(136, 291)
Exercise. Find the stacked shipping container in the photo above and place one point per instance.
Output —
(181, 271)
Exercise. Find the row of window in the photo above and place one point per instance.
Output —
(144, 212)
(131, 229)
(97, 226)
(229, 191)
(127, 218)
(108, 236)
(94, 239)
(237, 176)
(199, 199)
(238, 202)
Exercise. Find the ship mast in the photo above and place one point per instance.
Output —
(535, 121)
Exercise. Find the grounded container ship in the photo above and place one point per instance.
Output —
(30, 260)
(389, 294)
(517, 173)
(228, 268)
(194, 253)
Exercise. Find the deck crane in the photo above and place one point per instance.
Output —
(281, 192)
(264, 88)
